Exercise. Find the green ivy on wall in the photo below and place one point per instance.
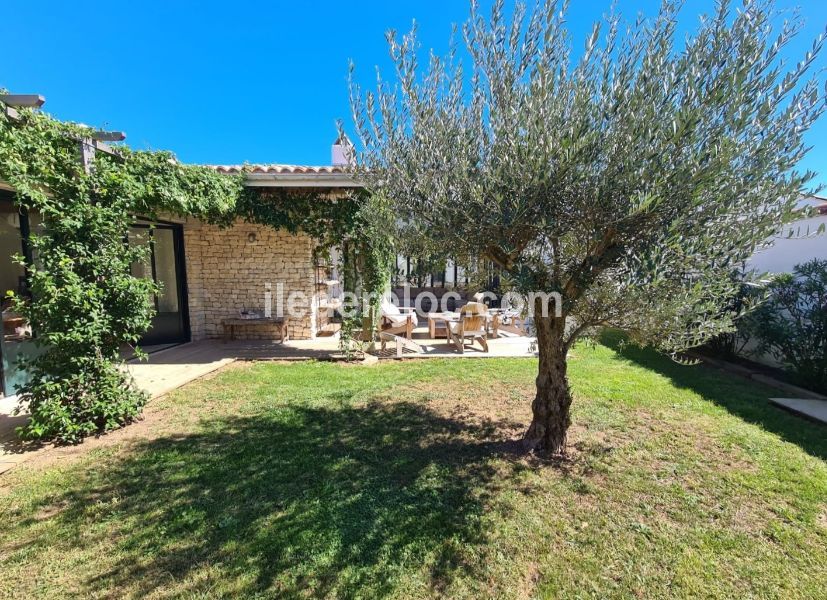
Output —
(84, 302)
(328, 217)
(359, 224)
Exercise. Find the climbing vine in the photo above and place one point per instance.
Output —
(328, 217)
(84, 303)
(366, 263)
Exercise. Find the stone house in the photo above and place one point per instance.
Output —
(219, 272)
(208, 273)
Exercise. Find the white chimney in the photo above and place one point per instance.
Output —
(341, 153)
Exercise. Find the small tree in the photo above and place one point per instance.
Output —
(629, 179)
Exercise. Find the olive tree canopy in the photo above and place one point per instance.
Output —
(630, 177)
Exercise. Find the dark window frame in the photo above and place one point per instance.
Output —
(180, 266)
(7, 196)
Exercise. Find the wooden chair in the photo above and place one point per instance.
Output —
(398, 320)
(472, 324)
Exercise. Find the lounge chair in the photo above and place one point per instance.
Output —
(509, 319)
(472, 324)
(398, 320)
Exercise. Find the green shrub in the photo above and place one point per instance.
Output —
(791, 325)
(738, 308)
(67, 402)
(85, 305)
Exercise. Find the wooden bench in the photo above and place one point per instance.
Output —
(231, 324)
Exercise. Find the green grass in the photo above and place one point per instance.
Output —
(401, 480)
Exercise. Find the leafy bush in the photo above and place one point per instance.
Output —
(86, 305)
(737, 307)
(791, 325)
(70, 398)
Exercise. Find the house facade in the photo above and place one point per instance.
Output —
(207, 273)
(221, 271)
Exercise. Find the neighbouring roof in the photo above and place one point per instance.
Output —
(278, 175)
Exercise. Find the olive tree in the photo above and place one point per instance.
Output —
(629, 177)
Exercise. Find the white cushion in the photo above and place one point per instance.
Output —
(396, 319)
(389, 308)
(401, 319)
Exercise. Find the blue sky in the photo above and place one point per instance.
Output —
(220, 82)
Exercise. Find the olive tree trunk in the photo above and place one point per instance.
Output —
(550, 408)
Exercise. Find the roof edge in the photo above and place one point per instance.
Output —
(334, 180)
(281, 175)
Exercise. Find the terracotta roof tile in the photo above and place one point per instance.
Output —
(279, 169)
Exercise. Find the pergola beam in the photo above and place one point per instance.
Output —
(22, 100)
(88, 146)
(109, 136)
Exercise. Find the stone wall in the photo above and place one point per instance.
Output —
(227, 270)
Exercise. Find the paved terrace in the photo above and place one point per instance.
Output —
(169, 369)
(809, 408)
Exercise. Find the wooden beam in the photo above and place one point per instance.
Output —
(88, 148)
(109, 136)
(105, 148)
(22, 100)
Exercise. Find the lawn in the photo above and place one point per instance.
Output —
(402, 480)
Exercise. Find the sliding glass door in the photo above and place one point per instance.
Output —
(164, 266)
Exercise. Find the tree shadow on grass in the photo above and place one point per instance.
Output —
(325, 501)
(746, 399)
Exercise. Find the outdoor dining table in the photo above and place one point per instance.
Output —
(438, 323)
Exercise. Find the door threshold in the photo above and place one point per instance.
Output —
(128, 353)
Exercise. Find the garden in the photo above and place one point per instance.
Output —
(617, 192)
(398, 480)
